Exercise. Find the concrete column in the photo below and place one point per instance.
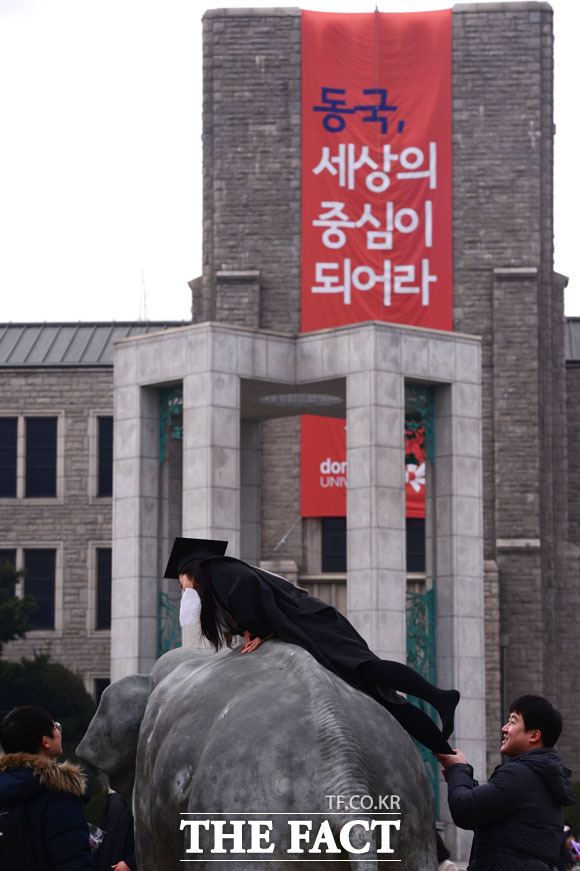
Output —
(250, 491)
(459, 560)
(211, 441)
(135, 505)
(376, 588)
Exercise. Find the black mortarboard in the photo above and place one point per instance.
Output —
(185, 550)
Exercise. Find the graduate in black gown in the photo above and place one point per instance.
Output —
(244, 600)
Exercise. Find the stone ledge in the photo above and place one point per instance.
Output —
(272, 12)
(515, 272)
(523, 6)
(240, 275)
(518, 544)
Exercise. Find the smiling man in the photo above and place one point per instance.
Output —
(517, 815)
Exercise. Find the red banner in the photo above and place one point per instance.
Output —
(376, 199)
(415, 473)
(376, 169)
(323, 468)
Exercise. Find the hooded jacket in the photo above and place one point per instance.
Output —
(51, 792)
(517, 815)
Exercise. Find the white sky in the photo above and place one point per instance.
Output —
(100, 153)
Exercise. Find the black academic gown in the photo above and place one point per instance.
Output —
(262, 602)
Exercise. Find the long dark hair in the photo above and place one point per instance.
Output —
(209, 618)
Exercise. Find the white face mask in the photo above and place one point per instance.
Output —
(190, 607)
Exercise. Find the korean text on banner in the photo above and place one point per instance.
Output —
(376, 186)
(376, 169)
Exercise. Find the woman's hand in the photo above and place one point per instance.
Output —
(252, 642)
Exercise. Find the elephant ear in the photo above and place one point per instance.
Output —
(110, 742)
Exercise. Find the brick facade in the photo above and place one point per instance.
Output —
(75, 522)
(504, 290)
(573, 432)
(65, 370)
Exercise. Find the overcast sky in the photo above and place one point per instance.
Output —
(100, 154)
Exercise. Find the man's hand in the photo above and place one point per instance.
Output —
(446, 760)
(120, 866)
(252, 642)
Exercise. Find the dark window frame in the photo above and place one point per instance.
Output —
(103, 574)
(104, 455)
(9, 554)
(100, 684)
(333, 544)
(41, 457)
(415, 545)
(8, 457)
(40, 582)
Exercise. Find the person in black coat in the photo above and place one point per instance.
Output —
(117, 850)
(240, 599)
(45, 794)
(517, 815)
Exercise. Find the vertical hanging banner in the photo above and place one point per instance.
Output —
(323, 467)
(376, 169)
(415, 473)
(376, 181)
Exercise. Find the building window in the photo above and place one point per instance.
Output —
(105, 473)
(333, 544)
(101, 684)
(8, 555)
(39, 581)
(8, 455)
(41, 456)
(103, 618)
(30, 457)
(415, 544)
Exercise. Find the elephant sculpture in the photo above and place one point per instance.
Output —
(266, 756)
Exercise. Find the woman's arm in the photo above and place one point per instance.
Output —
(252, 642)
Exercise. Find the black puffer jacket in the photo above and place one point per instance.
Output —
(517, 816)
(51, 793)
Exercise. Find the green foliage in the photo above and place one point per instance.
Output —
(14, 612)
(94, 807)
(52, 686)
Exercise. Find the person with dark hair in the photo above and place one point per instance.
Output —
(517, 816)
(42, 825)
(244, 600)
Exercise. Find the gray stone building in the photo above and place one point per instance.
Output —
(505, 291)
(56, 441)
(502, 532)
(517, 574)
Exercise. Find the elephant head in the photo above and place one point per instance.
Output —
(110, 742)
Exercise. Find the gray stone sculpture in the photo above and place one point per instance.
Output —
(270, 736)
